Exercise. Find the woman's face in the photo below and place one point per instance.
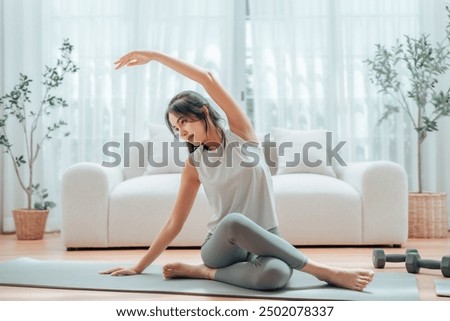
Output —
(192, 131)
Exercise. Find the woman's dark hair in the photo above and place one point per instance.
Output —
(190, 105)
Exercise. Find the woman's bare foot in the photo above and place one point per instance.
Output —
(181, 270)
(353, 279)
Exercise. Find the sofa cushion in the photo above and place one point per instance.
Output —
(318, 209)
(302, 151)
(139, 207)
(312, 209)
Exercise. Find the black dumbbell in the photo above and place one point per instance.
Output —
(379, 258)
(414, 263)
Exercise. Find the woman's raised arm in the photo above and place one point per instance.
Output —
(237, 119)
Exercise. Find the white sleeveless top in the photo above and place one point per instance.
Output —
(236, 179)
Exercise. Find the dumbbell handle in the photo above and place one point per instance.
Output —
(430, 264)
(395, 257)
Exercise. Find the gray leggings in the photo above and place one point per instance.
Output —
(249, 256)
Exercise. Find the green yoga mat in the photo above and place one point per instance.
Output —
(84, 275)
(442, 287)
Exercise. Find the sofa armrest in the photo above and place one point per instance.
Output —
(84, 204)
(384, 191)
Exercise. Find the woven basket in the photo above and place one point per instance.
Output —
(30, 224)
(428, 216)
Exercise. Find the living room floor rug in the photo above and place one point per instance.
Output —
(83, 275)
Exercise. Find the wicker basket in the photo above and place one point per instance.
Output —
(428, 216)
(30, 224)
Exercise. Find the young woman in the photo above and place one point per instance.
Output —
(243, 247)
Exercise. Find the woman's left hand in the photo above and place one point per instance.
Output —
(134, 58)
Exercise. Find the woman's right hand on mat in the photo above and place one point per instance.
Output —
(119, 271)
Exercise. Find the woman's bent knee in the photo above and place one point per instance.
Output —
(272, 274)
(235, 224)
(233, 220)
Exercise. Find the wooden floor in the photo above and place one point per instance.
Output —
(51, 247)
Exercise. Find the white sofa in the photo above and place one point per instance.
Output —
(361, 203)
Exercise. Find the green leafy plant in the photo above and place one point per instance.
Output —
(14, 107)
(410, 75)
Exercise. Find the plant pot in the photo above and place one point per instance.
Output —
(428, 216)
(30, 224)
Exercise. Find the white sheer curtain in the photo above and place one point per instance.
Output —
(309, 74)
(104, 103)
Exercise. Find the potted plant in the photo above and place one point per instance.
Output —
(409, 75)
(15, 110)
